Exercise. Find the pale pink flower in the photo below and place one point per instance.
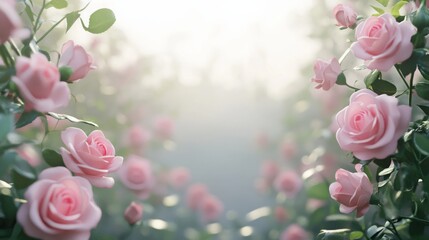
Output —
(280, 214)
(269, 171)
(39, 84)
(326, 73)
(288, 182)
(133, 213)
(164, 127)
(137, 136)
(345, 15)
(195, 195)
(371, 125)
(288, 149)
(92, 156)
(75, 57)
(382, 41)
(29, 153)
(136, 174)
(211, 208)
(10, 22)
(295, 232)
(178, 177)
(352, 190)
(59, 206)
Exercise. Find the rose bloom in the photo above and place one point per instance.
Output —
(29, 153)
(136, 174)
(280, 214)
(133, 213)
(326, 73)
(382, 42)
(91, 157)
(289, 183)
(10, 22)
(294, 232)
(39, 84)
(178, 177)
(164, 127)
(75, 57)
(195, 195)
(352, 190)
(269, 171)
(59, 206)
(137, 137)
(345, 15)
(211, 208)
(371, 125)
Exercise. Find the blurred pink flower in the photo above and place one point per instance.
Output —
(269, 171)
(39, 84)
(352, 190)
(211, 208)
(59, 206)
(195, 195)
(10, 22)
(138, 137)
(288, 149)
(178, 177)
(372, 124)
(372, 36)
(280, 214)
(133, 213)
(136, 174)
(91, 157)
(326, 73)
(29, 153)
(75, 57)
(164, 127)
(288, 182)
(345, 15)
(295, 232)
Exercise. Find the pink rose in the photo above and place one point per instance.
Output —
(39, 84)
(294, 232)
(195, 195)
(382, 42)
(326, 73)
(345, 15)
(59, 206)
(164, 127)
(352, 190)
(136, 174)
(133, 213)
(178, 177)
(91, 157)
(280, 214)
(210, 208)
(289, 183)
(137, 136)
(75, 57)
(29, 153)
(288, 149)
(269, 171)
(371, 125)
(10, 22)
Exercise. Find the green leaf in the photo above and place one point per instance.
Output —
(341, 79)
(383, 87)
(65, 73)
(7, 125)
(71, 19)
(100, 21)
(356, 235)
(70, 118)
(58, 4)
(424, 108)
(318, 191)
(370, 78)
(383, 2)
(397, 7)
(421, 141)
(52, 158)
(26, 118)
(379, 10)
(423, 65)
(23, 174)
(8, 206)
(422, 89)
(410, 65)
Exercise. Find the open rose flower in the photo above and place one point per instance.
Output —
(133, 213)
(59, 206)
(136, 174)
(178, 177)
(91, 157)
(10, 22)
(382, 42)
(75, 57)
(371, 125)
(288, 182)
(345, 15)
(39, 84)
(295, 232)
(352, 190)
(326, 73)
